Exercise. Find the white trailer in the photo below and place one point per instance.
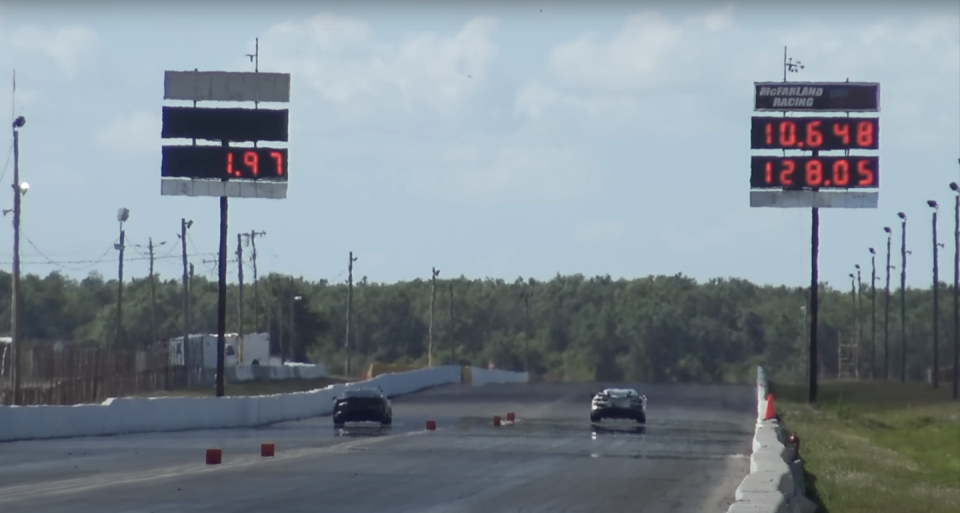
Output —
(201, 351)
(253, 348)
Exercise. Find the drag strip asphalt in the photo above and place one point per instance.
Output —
(690, 456)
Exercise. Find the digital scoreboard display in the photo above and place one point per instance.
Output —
(851, 172)
(225, 163)
(814, 133)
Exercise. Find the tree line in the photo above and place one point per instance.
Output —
(657, 328)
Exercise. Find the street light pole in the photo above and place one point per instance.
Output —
(293, 323)
(936, 293)
(859, 318)
(886, 312)
(122, 215)
(873, 314)
(956, 281)
(19, 189)
(853, 296)
(903, 297)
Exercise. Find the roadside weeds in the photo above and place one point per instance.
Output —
(877, 447)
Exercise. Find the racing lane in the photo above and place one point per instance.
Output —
(690, 457)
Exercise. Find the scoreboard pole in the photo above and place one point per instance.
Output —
(814, 299)
(222, 292)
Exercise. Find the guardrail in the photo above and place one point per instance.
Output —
(140, 415)
(775, 482)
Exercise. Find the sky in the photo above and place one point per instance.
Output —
(486, 139)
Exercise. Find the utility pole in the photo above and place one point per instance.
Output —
(346, 338)
(18, 190)
(153, 295)
(252, 241)
(956, 282)
(184, 225)
(936, 294)
(525, 296)
(283, 352)
(886, 313)
(190, 299)
(433, 297)
(903, 298)
(240, 296)
(122, 215)
(873, 314)
(450, 335)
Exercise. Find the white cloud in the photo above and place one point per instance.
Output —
(501, 169)
(718, 19)
(339, 57)
(66, 46)
(629, 61)
(131, 135)
(535, 98)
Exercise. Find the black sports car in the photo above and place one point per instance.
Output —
(618, 403)
(362, 405)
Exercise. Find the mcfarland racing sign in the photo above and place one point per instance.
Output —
(817, 96)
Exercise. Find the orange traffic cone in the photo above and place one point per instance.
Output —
(770, 413)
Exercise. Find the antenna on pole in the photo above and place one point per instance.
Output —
(790, 65)
(255, 57)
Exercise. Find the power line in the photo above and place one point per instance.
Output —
(102, 260)
(194, 246)
(50, 261)
(7, 164)
(176, 246)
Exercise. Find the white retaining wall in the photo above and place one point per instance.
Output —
(775, 482)
(481, 376)
(139, 415)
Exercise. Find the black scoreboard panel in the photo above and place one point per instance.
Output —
(246, 125)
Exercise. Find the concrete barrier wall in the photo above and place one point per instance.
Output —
(775, 482)
(242, 373)
(140, 415)
(480, 376)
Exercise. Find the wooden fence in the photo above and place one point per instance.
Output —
(68, 374)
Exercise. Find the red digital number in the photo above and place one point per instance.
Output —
(230, 170)
(252, 160)
(814, 173)
(814, 136)
(864, 134)
(786, 174)
(768, 132)
(866, 174)
(788, 133)
(768, 169)
(842, 130)
(277, 156)
(841, 172)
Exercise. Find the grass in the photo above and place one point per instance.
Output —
(260, 387)
(872, 447)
